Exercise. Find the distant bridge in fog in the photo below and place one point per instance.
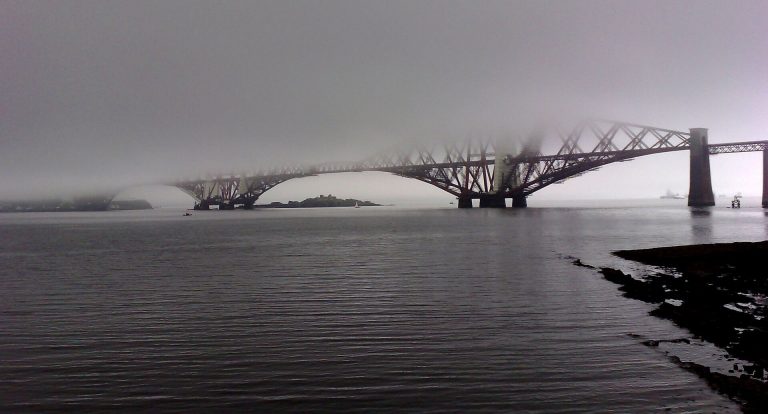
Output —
(493, 171)
(487, 170)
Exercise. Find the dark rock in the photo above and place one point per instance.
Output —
(578, 262)
(706, 279)
(751, 393)
(633, 288)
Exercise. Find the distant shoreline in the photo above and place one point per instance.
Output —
(76, 205)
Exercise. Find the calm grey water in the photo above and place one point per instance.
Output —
(341, 310)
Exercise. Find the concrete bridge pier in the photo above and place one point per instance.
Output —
(492, 201)
(465, 201)
(248, 204)
(700, 189)
(765, 178)
(519, 201)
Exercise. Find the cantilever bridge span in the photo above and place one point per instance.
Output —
(493, 171)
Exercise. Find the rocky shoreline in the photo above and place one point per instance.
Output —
(719, 292)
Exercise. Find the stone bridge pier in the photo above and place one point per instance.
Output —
(700, 189)
(465, 201)
(494, 201)
(765, 177)
(202, 205)
(519, 201)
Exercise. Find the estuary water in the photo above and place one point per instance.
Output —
(342, 310)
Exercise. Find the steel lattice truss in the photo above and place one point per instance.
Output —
(243, 189)
(459, 168)
(470, 168)
(738, 147)
(587, 147)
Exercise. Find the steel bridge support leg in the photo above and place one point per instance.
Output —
(519, 201)
(492, 201)
(465, 202)
(700, 190)
(765, 178)
(248, 204)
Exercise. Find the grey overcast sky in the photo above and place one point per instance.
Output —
(115, 92)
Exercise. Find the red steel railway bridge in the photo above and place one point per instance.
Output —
(493, 171)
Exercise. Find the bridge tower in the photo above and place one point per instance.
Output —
(700, 189)
(765, 177)
(502, 171)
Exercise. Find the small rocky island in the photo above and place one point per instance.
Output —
(320, 201)
(719, 292)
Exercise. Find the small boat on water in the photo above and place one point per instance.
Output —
(357, 205)
(187, 214)
(672, 196)
(736, 202)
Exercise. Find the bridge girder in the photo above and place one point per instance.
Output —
(229, 191)
(479, 168)
(607, 142)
